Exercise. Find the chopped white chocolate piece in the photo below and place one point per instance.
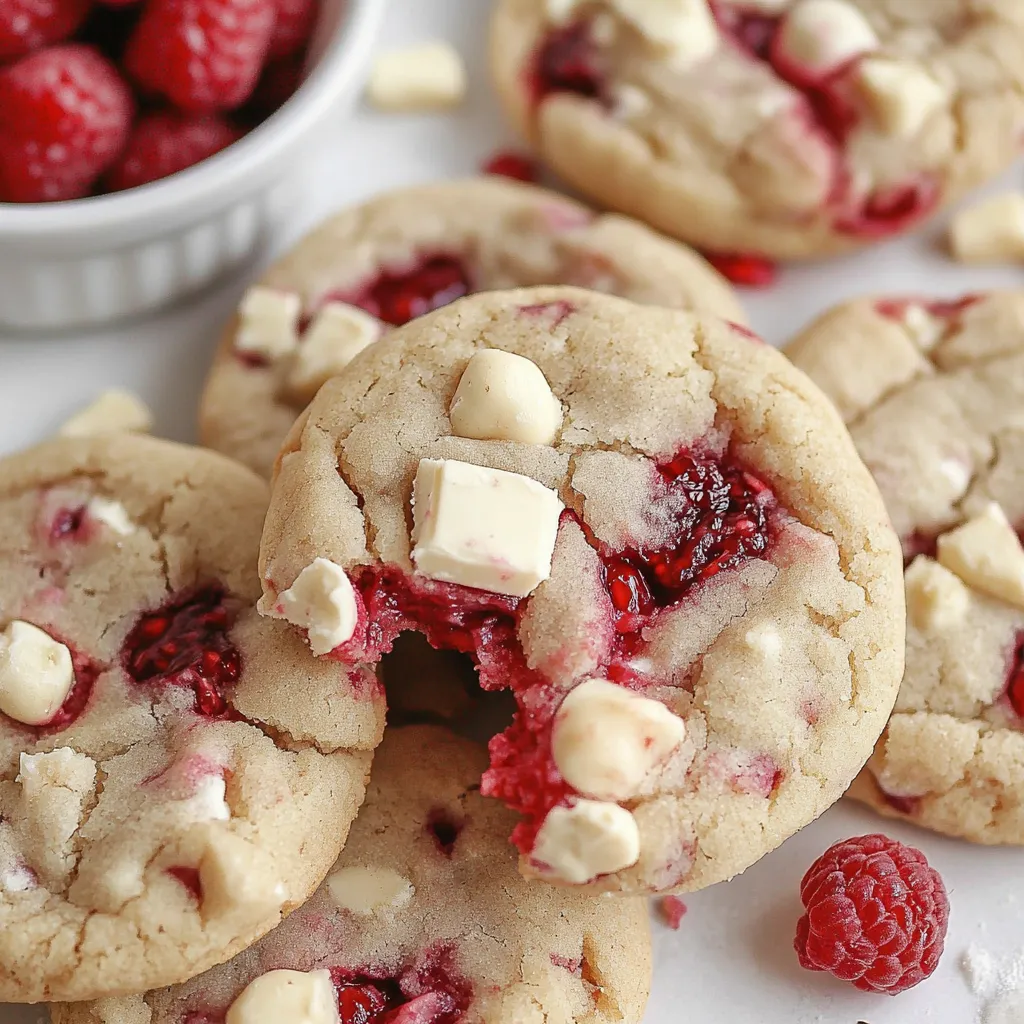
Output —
(112, 514)
(901, 94)
(268, 322)
(483, 528)
(577, 844)
(238, 880)
(989, 231)
(683, 28)
(321, 601)
(429, 76)
(936, 599)
(36, 673)
(505, 397)
(334, 338)
(364, 890)
(821, 35)
(925, 330)
(606, 740)
(207, 803)
(114, 412)
(986, 554)
(287, 997)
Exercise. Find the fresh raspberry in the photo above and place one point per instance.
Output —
(27, 25)
(65, 114)
(278, 83)
(202, 55)
(397, 296)
(744, 268)
(876, 915)
(512, 165)
(292, 27)
(163, 144)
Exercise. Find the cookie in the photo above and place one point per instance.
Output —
(789, 128)
(933, 393)
(162, 804)
(404, 254)
(643, 522)
(424, 909)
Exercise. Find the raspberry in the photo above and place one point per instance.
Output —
(163, 144)
(398, 296)
(568, 61)
(27, 25)
(65, 114)
(876, 915)
(1015, 677)
(512, 165)
(279, 81)
(743, 268)
(202, 55)
(293, 26)
(672, 910)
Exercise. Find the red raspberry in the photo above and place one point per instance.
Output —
(65, 114)
(292, 27)
(279, 81)
(27, 25)
(163, 144)
(743, 268)
(512, 165)
(202, 55)
(876, 915)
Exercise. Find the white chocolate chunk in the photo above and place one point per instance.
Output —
(113, 412)
(936, 599)
(577, 844)
(112, 514)
(606, 740)
(207, 803)
(286, 997)
(268, 322)
(822, 35)
(364, 890)
(505, 397)
(36, 673)
(683, 28)
(483, 528)
(239, 882)
(337, 335)
(321, 601)
(430, 76)
(925, 330)
(630, 101)
(989, 231)
(901, 94)
(986, 554)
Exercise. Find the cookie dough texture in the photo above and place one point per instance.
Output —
(108, 824)
(531, 953)
(784, 669)
(506, 234)
(937, 416)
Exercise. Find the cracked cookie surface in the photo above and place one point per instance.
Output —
(173, 806)
(781, 128)
(425, 909)
(933, 393)
(723, 574)
(408, 252)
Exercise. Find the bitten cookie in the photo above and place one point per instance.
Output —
(934, 396)
(162, 803)
(791, 128)
(424, 911)
(649, 527)
(404, 254)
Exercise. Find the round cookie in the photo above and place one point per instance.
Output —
(408, 252)
(706, 641)
(425, 909)
(789, 128)
(933, 393)
(162, 804)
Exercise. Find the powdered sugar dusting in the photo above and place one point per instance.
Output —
(998, 984)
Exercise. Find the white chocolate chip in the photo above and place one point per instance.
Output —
(989, 231)
(577, 844)
(207, 803)
(901, 94)
(364, 890)
(606, 740)
(337, 335)
(505, 397)
(113, 412)
(112, 514)
(36, 673)
(822, 35)
(483, 528)
(936, 599)
(268, 322)
(925, 330)
(286, 997)
(685, 29)
(430, 76)
(239, 882)
(957, 474)
(630, 101)
(321, 601)
(986, 554)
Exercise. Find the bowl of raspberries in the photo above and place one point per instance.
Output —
(149, 146)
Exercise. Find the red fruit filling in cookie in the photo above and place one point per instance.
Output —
(189, 878)
(903, 804)
(567, 61)
(512, 165)
(68, 524)
(445, 829)
(1015, 677)
(892, 209)
(744, 268)
(944, 309)
(186, 643)
(397, 296)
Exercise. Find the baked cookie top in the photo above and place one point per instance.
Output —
(649, 527)
(790, 128)
(162, 804)
(404, 254)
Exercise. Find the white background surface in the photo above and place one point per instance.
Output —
(731, 962)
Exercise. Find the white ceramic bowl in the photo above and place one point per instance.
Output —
(87, 262)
